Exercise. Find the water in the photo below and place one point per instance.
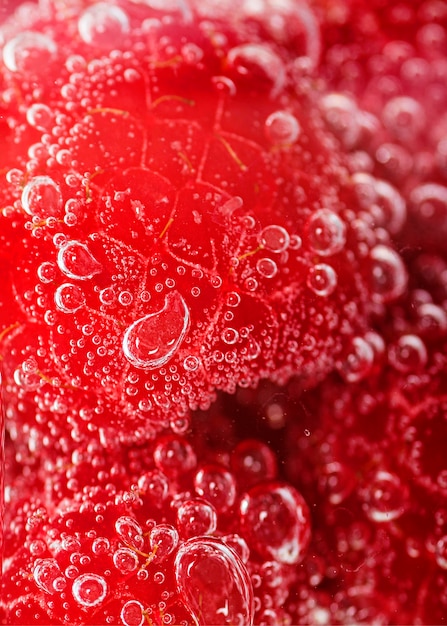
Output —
(2, 470)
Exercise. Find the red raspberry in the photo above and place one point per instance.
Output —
(160, 532)
(179, 219)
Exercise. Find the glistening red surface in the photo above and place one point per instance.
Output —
(202, 199)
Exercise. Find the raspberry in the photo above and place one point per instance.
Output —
(174, 240)
(223, 310)
(133, 533)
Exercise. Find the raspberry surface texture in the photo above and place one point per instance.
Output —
(168, 237)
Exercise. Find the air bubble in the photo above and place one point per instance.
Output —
(408, 354)
(388, 274)
(429, 203)
(76, 261)
(195, 518)
(191, 363)
(404, 117)
(358, 361)
(133, 613)
(238, 545)
(343, 118)
(107, 296)
(46, 572)
(282, 128)
(322, 279)
(230, 336)
(101, 545)
(163, 540)
(275, 522)
(233, 299)
(125, 560)
(274, 238)
(42, 197)
(206, 568)
(125, 298)
(251, 284)
(29, 52)
(253, 462)
(155, 484)
(266, 267)
(381, 198)
(217, 485)
(40, 117)
(46, 272)
(174, 456)
(326, 232)
(431, 320)
(152, 340)
(103, 24)
(257, 62)
(69, 298)
(336, 481)
(224, 85)
(130, 531)
(89, 590)
(384, 497)
(441, 552)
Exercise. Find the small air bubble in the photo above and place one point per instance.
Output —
(233, 299)
(45, 573)
(408, 354)
(29, 52)
(125, 298)
(46, 272)
(89, 590)
(282, 128)
(40, 117)
(253, 61)
(69, 298)
(322, 280)
(358, 361)
(191, 363)
(130, 531)
(384, 497)
(230, 336)
(326, 232)
(103, 25)
(133, 613)
(76, 261)
(152, 340)
(125, 560)
(388, 274)
(274, 238)
(42, 197)
(266, 267)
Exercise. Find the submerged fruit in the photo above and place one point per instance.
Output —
(167, 238)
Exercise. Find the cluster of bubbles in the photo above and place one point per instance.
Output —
(228, 533)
